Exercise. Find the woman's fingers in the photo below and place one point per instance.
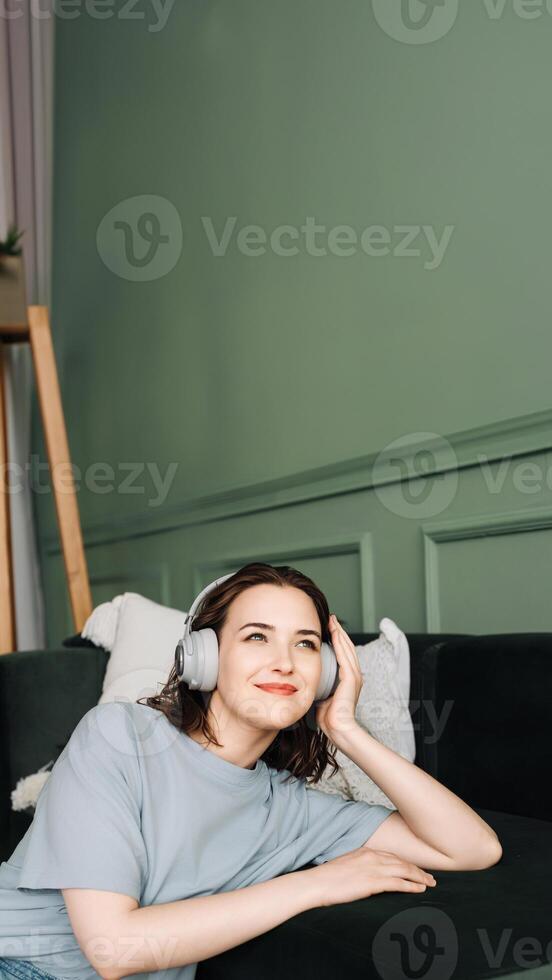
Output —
(391, 864)
(411, 872)
(400, 885)
(345, 649)
(345, 637)
(414, 874)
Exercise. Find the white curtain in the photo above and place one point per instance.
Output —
(26, 113)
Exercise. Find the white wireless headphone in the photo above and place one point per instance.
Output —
(196, 657)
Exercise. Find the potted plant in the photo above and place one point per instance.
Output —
(13, 301)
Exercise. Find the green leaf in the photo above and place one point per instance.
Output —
(9, 246)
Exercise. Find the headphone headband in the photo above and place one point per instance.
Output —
(191, 613)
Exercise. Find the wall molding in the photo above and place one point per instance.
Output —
(461, 529)
(122, 578)
(360, 544)
(521, 436)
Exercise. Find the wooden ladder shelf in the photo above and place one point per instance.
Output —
(37, 332)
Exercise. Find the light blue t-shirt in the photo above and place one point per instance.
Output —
(133, 805)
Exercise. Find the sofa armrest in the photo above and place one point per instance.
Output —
(485, 720)
(43, 695)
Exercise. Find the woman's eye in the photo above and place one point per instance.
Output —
(310, 642)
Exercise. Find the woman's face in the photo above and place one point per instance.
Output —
(272, 635)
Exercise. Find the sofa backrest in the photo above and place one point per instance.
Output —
(480, 706)
(43, 696)
(493, 696)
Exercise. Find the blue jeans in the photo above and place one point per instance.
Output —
(22, 969)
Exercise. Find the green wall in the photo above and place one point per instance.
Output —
(269, 384)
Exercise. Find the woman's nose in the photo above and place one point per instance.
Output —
(283, 656)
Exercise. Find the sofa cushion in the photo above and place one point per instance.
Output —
(473, 924)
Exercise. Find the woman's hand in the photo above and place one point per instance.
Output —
(364, 872)
(336, 715)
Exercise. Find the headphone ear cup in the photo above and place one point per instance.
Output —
(329, 675)
(197, 660)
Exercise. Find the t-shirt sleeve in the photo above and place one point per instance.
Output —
(86, 829)
(336, 825)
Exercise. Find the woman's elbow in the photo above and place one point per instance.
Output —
(111, 973)
(484, 857)
(495, 853)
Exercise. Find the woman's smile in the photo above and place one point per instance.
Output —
(285, 689)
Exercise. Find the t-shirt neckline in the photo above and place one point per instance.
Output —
(222, 768)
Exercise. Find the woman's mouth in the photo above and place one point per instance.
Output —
(277, 688)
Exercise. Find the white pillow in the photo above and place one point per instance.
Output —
(382, 709)
(143, 647)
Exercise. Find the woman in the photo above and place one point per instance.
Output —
(176, 827)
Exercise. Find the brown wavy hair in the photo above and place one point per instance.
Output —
(302, 748)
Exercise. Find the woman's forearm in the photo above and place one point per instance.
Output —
(433, 812)
(157, 937)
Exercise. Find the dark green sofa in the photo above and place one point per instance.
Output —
(481, 707)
